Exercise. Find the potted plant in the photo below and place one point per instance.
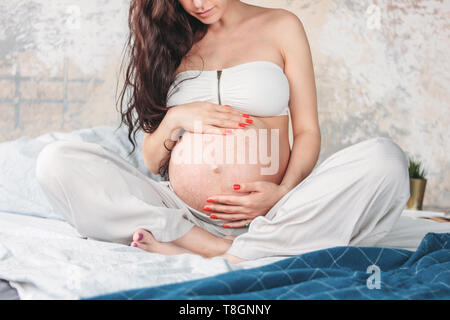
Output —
(417, 183)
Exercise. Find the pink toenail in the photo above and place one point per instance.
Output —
(134, 244)
(140, 236)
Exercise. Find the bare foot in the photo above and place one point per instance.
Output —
(144, 240)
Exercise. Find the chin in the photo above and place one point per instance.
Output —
(212, 18)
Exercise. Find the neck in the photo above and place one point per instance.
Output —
(231, 18)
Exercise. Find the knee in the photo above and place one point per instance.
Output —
(387, 161)
(389, 158)
(51, 161)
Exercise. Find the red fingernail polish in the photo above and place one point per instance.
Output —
(245, 115)
(209, 200)
(225, 226)
(227, 105)
(207, 208)
(242, 124)
(248, 120)
(236, 186)
(213, 216)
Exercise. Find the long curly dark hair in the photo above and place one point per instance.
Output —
(161, 34)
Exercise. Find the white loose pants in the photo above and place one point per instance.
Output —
(354, 197)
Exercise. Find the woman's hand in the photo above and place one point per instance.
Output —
(240, 210)
(206, 117)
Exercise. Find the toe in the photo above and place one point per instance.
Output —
(139, 235)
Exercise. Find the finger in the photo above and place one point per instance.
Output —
(239, 117)
(238, 224)
(227, 199)
(227, 109)
(218, 208)
(247, 186)
(228, 123)
(228, 216)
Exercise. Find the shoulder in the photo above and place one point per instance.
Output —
(278, 22)
(283, 26)
(281, 18)
(288, 31)
(286, 23)
(276, 17)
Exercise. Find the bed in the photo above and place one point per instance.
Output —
(43, 257)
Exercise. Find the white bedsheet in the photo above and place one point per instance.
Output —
(47, 259)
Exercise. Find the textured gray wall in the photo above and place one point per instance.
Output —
(381, 69)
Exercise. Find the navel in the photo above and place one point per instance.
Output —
(215, 168)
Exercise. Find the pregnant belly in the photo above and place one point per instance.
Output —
(203, 165)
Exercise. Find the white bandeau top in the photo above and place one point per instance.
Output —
(259, 88)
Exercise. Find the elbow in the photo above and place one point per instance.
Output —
(154, 170)
(150, 166)
(145, 151)
(311, 132)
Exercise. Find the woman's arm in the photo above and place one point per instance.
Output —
(153, 144)
(303, 100)
(304, 156)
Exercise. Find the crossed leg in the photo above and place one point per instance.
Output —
(366, 184)
(122, 196)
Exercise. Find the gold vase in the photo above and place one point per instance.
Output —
(417, 190)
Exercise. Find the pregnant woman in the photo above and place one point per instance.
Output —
(211, 85)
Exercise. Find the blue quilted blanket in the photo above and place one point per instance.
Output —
(336, 273)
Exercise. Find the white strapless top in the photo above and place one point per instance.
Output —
(259, 88)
